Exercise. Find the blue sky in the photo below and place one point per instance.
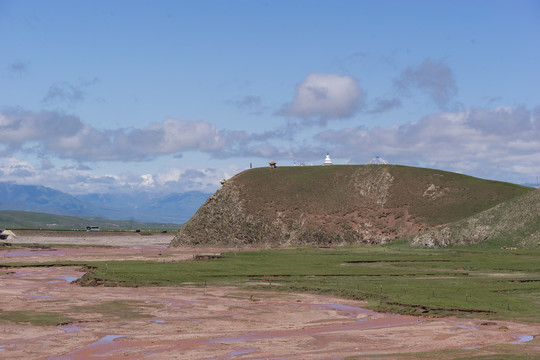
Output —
(171, 96)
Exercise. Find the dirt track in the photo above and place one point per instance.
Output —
(213, 322)
(86, 238)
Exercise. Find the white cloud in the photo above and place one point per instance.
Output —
(499, 143)
(75, 179)
(147, 180)
(16, 128)
(68, 137)
(325, 97)
(190, 178)
(185, 135)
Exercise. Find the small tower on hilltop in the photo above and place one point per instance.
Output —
(327, 160)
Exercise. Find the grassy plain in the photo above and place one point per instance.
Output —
(13, 220)
(490, 284)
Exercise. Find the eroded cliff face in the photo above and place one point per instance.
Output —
(221, 220)
(373, 183)
(224, 220)
(228, 217)
(329, 206)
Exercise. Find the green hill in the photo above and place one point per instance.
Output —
(11, 219)
(338, 205)
(514, 223)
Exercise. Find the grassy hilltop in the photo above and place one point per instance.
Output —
(338, 205)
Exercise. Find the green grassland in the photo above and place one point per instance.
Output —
(490, 284)
(11, 219)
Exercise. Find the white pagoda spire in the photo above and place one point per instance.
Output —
(327, 161)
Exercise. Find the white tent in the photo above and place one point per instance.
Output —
(6, 234)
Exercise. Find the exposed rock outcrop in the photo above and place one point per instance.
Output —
(514, 223)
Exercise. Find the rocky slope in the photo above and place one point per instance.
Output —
(337, 205)
(513, 223)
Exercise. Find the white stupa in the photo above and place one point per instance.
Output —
(327, 161)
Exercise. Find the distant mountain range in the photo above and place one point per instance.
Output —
(171, 208)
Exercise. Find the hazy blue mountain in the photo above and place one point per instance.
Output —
(174, 208)
(40, 199)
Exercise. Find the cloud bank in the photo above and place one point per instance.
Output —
(502, 142)
(75, 179)
(68, 137)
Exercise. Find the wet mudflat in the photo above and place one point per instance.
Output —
(216, 323)
(43, 315)
(96, 246)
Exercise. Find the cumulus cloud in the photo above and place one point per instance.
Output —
(72, 179)
(68, 137)
(325, 97)
(502, 142)
(24, 173)
(173, 136)
(147, 181)
(432, 77)
(18, 129)
(189, 179)
(55, 134)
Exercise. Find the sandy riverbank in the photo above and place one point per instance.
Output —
(85, 238)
